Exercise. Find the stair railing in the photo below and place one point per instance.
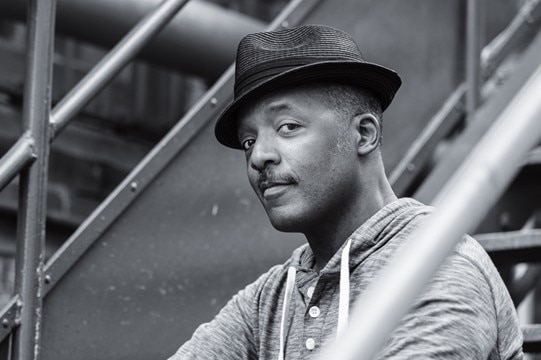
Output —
(29, 156)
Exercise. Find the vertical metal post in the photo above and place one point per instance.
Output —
(474, 25)
(33, 180)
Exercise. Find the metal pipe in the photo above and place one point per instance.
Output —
(33, 180)
(201, 40)
(112, 63)
(18, 156)
(473, 53)
(460, 206)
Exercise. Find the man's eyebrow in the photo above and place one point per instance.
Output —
(278, 106)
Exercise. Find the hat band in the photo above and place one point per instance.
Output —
(250, 78)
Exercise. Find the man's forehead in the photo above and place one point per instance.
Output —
(271, 105)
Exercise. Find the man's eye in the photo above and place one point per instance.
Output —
(289, 127)
(247, 144)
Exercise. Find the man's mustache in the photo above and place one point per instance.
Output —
(267, 177)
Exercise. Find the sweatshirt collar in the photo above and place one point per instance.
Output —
(372, 232)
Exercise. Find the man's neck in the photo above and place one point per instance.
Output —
(326, 239)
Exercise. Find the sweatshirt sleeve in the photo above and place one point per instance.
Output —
(455, 318)
(229, 336)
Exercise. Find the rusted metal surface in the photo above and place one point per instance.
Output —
(33, 180)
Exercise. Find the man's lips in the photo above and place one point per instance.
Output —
(273, 187)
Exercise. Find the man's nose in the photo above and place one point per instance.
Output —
(264, 153)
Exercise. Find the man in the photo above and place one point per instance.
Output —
(307, 113)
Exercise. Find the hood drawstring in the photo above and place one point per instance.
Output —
(343, 305)
(290, 286)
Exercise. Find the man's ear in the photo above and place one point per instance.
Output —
(369, 130)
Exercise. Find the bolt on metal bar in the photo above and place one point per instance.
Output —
(33, 180)
(460, 206)
(112, 63)
(473, 52)
(20, 155)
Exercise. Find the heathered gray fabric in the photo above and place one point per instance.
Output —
(466, 312)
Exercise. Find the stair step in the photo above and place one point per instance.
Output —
(512, 246)
(532, 338)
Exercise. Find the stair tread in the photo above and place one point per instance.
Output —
(531, 332)
(510, 240)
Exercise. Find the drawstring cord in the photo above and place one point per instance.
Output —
(343, 305)
(290, 285)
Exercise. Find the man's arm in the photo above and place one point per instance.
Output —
(456, 318)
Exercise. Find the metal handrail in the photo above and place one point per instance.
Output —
(460, 206)
(29, 156)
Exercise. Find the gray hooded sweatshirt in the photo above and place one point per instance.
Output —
(291, 311)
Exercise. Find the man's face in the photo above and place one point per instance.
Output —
(301, 159)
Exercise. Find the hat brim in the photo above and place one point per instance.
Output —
(383, 82)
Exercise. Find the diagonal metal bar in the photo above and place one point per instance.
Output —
(439, 126)
(20, 155)
(33, 180)
(112, 63)
(9, 318)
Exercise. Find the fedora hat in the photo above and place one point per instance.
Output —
(268, 61)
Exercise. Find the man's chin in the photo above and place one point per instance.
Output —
(285, 222)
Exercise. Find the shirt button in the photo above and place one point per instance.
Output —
(310, 344)
(310, 291)
(314, 311)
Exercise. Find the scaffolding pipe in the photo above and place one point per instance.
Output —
(20, 155)
(112, 64)
(460, 206)
(473, 53)
(33, 180)
(201, 40)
